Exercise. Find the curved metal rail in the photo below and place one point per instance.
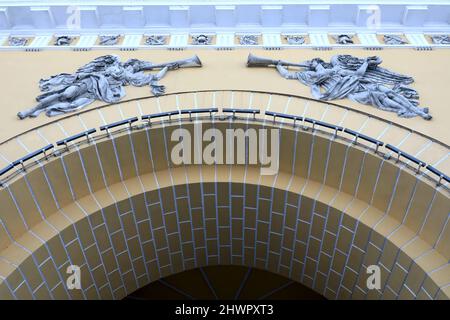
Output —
(249, 91)
(146, 119)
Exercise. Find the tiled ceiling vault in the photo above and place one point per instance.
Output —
(54, 15)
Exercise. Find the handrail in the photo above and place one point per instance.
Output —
(336, 128)
(199, 110)
(32, 155)
(6, 169)
(357, 135)
(76, 136)
(240, 110)
(329, 125)
(239, 90)
(128, 121)
(160, 114)
(237, 110)
(440, 174)
(314, 122)
(282, 115)
(400, 153)
(175, 112)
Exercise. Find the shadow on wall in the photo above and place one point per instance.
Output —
(224, 283)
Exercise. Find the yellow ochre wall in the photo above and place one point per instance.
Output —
(225, 70)
(113, 227)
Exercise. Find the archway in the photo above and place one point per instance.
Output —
(118, 208)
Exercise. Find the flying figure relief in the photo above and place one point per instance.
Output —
(102, 79)
(360, 80)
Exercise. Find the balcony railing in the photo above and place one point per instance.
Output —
(43, 154)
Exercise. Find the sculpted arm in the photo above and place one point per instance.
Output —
(161, 73)
(283, 71)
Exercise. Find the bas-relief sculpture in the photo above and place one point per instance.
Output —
(441, 39)
(248, 40)
(345, 76)
(343, 39)
(361, 80)
(102, 79)
(295, 39)
(156, 40)
(17, 41)
(393, 39)
(201, 39)
(63, 41)
(109, 40)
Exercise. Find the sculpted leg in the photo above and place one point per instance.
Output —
(423, 112)
(41, 106)
(67, 95)
(389, 108)
(72, 92)
(407, 111)
(66, 107)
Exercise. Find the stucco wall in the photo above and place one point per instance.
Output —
(225, 70)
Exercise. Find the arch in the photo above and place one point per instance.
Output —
(340, 197)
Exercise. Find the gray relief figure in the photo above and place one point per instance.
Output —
(17, 41)
(201, 39)
(393, 39)
(63, 41)
(295, 39)
(343, 39)
(156, 40)
(102, 79)
(248, 40)
(109, 40)
(441, 39)
(361, 80)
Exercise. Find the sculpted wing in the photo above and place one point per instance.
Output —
(374, 73)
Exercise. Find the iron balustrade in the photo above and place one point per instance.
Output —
(309, 120)
(6, 169)
(200, 110)
(400, 153)
(86, 134)
(32, 155)
(237, 110)
(328, 103)
(357, 135)
(283, 115)
(275, 115)
(336, 128)
(159, 115)
(323, 124)
(128, 121)
(440, 174)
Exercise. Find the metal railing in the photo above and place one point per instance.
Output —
(146, 123)
(328, 103)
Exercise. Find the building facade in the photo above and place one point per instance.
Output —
(356, 188)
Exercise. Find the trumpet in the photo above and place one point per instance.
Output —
(193, 61)
(254, 61)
